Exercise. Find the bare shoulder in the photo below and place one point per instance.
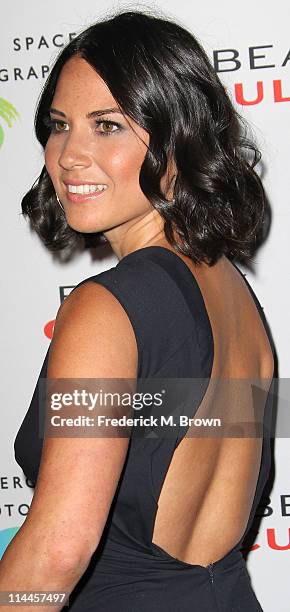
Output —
(93, 336)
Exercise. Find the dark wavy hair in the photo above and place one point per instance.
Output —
(161, 77)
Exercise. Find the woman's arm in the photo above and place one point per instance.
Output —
(94, 339)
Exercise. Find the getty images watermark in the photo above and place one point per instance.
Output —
(160, 407)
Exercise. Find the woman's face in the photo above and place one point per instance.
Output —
(93, 156)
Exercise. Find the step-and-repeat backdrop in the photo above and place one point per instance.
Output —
(249, 45)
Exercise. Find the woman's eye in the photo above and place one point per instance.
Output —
(55, 125)
(60, 126)
(108, 127)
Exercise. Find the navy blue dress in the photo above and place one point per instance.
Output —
(128, 573)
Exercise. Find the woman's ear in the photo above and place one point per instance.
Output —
(170, 193)
(168, 180)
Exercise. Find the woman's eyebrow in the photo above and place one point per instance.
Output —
(97, 113)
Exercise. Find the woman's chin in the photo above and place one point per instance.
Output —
(83, 226)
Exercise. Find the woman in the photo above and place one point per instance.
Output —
(143, 146)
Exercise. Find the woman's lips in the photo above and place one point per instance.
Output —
(84, 197)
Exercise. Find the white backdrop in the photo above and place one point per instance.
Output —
(249, 37)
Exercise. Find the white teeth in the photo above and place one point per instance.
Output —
(84, 189)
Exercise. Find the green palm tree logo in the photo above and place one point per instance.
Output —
(9, 113)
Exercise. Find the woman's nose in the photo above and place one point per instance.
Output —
(75, 152)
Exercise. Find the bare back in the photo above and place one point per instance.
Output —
(207, 494)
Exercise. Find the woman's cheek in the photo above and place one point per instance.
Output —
(50, 164)
(126, 164)
(118, 165)
(48, 157)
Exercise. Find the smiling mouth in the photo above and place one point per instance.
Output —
(85, 192)
(86, 189)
